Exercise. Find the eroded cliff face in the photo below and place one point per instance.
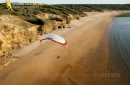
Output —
(50, 22)
(14, 34)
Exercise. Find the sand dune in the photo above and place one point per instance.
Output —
(83, 63)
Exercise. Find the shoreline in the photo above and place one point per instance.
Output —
(74, 24)
(43, 67)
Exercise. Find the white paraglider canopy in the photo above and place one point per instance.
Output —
(55, 38)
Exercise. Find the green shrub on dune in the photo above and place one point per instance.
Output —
(124, 15)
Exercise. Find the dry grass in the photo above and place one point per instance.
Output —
(15, 33)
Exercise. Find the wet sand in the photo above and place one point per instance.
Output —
(85, 62)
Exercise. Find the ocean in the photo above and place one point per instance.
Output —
(119, 47)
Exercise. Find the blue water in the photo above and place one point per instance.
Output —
(119, 47)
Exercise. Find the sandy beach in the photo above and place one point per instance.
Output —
(84, 62)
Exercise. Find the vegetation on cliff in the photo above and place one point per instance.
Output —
(124, 15)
